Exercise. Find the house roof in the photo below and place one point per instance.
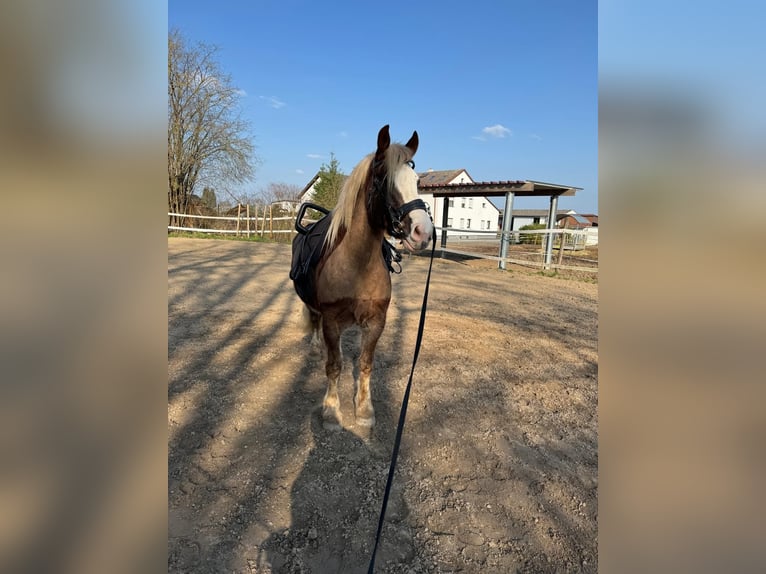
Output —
(309, 184)
(538, 213)
(312, 182)
(521, 188)
(442, 177)
(580, 219)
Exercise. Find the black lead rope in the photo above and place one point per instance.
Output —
(403, 412)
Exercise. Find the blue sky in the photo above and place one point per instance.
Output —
(506, 90)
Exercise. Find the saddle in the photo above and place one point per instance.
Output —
(308, 248)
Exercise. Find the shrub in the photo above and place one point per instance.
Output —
(531, 238)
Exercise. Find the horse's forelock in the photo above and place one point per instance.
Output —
(397, 155)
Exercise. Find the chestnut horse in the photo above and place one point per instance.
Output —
(346, 278)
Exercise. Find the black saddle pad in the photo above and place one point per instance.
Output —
(307, 251)
(308, 248)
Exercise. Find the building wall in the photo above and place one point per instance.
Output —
(467, 214)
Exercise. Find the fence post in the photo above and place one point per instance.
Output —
(561, 243)
(548, 245)
(263, 226)
(271, 223)
(247, 212)
(239, 211)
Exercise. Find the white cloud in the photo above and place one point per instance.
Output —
(299, 171)
(536, 137)
(497, 131)
(313, 156)
(242, 93)
(343, 134)
(274, 102)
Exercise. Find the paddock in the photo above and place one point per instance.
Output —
(498, 466)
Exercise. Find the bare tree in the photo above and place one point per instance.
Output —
(279, 191)
(286, 195)
(207, 138)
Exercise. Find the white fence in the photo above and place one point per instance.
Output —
(240, 225)
(548, 249)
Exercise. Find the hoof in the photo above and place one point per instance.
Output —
(332, 426)
(332, 420)
(365, 422)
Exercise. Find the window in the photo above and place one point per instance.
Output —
(449, 221)
(452, 202)
(470, 203)
(468, 224)
(462, 202)
(462, 223)
(481, 224)
(483, 204)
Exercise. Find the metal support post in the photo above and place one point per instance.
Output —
(505, 236)
(549, 236)
(444, 222)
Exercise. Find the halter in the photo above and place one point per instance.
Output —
(395, 215)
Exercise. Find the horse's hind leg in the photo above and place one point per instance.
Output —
(331, 416)
(371, 331)
(315, 325)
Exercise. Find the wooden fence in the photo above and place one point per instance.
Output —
(241, 225)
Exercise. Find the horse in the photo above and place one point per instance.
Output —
(345, 280)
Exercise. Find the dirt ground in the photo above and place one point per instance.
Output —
(498, 466)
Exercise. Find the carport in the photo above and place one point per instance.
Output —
(509, 189)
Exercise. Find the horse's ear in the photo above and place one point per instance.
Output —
(413, 143)
(384, 140)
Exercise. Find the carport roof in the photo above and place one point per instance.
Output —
(525, 188)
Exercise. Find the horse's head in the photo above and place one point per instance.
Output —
(396, 188)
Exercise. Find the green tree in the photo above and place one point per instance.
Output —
(330, 182)
(208, 198)
(207, 137)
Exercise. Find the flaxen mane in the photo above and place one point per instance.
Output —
(396, 155)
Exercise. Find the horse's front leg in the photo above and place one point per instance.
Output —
(371, 331)
(331, 416)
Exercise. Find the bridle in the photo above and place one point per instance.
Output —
(395, 215)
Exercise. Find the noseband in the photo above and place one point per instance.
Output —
(395, 215)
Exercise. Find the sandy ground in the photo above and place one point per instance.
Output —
(498, 467)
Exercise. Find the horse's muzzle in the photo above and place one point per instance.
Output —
(421, 230)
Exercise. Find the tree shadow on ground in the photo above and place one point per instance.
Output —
(335, 503)
(251, 470)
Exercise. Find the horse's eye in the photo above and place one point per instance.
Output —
(411, 164)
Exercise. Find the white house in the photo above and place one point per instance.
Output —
(467, 216)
